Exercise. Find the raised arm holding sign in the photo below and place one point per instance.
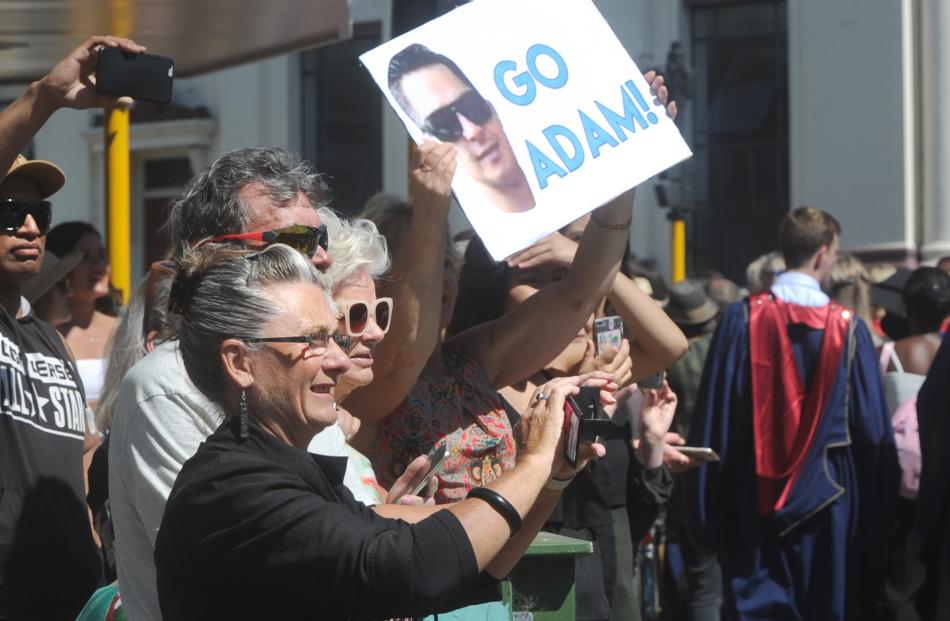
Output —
(499, 353)
(519, 343)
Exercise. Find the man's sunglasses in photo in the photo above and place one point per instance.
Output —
(356, 315)
(304, 239)
(13, 214)
(444, 123)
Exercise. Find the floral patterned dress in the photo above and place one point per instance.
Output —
(461, 410)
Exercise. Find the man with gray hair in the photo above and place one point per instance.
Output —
(256, 196)
(254, 189)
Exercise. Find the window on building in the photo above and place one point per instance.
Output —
(740, 140)
(342, 118)
(164, 178)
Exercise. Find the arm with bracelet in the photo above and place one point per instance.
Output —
(533, 487)
(502, 518)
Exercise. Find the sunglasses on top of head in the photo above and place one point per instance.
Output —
(302, 238)
(444, 123)
(13, 215)
(356, 315)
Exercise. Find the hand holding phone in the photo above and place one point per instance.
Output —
(585, 421)
(608, 331)
(652, 382)
(701, 454)
(436, 459)
(70, 83)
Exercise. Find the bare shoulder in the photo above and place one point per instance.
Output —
(917, 352)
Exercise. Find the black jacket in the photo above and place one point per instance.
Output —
(263, 530)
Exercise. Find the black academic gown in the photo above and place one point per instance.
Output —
(811, 559)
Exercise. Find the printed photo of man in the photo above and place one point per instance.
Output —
(444, 104)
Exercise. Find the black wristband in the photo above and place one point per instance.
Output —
(500, 504)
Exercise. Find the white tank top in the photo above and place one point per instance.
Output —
(899, 386)
(92, 371)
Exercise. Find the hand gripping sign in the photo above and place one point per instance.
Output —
(550, 116)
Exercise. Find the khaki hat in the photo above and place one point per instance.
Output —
(53, 270)
(689, 305)
(47, 175)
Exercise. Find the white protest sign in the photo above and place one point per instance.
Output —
(550, 115)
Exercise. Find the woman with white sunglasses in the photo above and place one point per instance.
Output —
(359, 256)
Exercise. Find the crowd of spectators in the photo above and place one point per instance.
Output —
(253, 432)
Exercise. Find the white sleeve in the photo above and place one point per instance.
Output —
(332, 442)
(161, 434)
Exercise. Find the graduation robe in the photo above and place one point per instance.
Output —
(806, 559)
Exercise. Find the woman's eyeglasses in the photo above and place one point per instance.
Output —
(13, 215)
(356, 315)
(444, 123)
(317, 342)
(304, 239)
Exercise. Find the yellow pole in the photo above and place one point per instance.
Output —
(678, 263)
(118, 200)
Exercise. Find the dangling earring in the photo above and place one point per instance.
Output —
(336, 406)
(245, 417)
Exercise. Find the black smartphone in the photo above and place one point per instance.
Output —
(436, 459)
(140, 76)
(654, 382)
(585, 421)
(699, 453)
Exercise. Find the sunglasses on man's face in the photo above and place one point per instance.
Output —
(356, 315)
(304, 239)
(444, 123)
(13, 215)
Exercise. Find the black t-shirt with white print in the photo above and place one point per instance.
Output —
(48, 561)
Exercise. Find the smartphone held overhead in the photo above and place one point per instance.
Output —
(144, 77)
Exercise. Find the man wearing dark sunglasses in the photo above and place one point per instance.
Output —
(442, 101)
(24, 220)
(45, 534)
(42, 430)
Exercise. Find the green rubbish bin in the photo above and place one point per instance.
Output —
(541, 587)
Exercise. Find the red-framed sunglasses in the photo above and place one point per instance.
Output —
(356, 315)
(304, 239)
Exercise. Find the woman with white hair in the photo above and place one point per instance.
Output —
(359, 256)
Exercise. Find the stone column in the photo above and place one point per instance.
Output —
(935, 129)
